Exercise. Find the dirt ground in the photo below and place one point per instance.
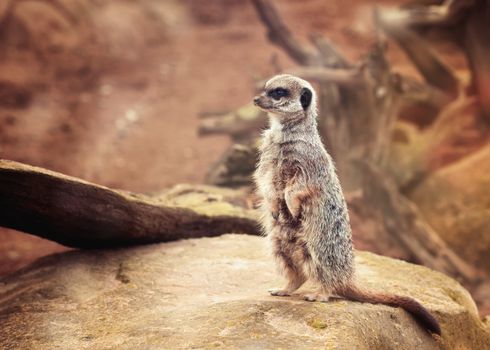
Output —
(114, 96)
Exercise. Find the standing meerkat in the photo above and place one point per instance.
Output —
(304, 212)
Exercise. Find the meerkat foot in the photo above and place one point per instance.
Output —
(280, 292)
(317, 297)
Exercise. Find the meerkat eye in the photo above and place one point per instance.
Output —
(276, 94)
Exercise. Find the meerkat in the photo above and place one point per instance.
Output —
(303, 209)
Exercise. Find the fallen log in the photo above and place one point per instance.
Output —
(80, 214)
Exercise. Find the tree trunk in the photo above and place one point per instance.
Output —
(79, 214)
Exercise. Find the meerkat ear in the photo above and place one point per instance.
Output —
(305, 98)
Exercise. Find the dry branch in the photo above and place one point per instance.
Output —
(244, 122)
(428, 63)
(447, 13)
(469, 18)
(403, 220)
(280, 34)
(77, 213)
(416, 93)
(330, 56)
(339, 76)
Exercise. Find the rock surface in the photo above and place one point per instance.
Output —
(212, 293)
(456, 202)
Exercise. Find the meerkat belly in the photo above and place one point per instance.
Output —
(265, 184)
(266, 175)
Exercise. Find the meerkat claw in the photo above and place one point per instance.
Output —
(275, 215)
(279, 292)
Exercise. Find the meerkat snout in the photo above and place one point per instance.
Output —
(286, 94)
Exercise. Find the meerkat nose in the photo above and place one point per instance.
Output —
(256, 100)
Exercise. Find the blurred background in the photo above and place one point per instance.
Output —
(141, 95)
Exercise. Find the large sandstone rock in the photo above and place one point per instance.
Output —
(212, 293)
(456, 202)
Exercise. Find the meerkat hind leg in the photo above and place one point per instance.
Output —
(288, 290)
(323, 295)
(295, 280)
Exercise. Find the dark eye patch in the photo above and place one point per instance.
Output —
(277, 93)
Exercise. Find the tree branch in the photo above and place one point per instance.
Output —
(428, 63)
(280, 34)
(342, 77)
(244, 122)
(331, 57)
(79, 214)
(414, 92)
(447, 13)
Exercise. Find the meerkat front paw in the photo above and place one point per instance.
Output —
(293, 203)
(275, 209)
(279, 292)
(295, 212)
(275, 215)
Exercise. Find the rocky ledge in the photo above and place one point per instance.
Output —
(212, 293)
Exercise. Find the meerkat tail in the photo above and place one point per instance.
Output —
(419, 312)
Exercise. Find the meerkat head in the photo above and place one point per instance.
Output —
(286, 95)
